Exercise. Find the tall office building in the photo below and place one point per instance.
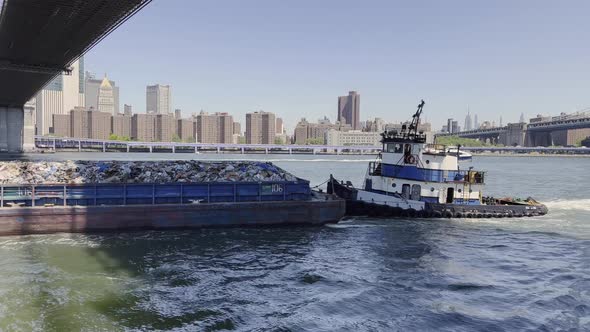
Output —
(86, 124)
(121, 125)
(185, 130)
(206, 128)
(214, 128)
(450, 125)
(455, 127)
(225, 125)
(59, 96)
(237, 128)
(468, 123)
(127, 110)
(304, 131)
(165, 127)
(279, 126)
(61, 125)
(106, 97)
(178, 113)
(260, 128)
(158, 99)
(475, 122)
(101, 95)
(349, 109)
(143, 127)
(100, 125)
(79, 125)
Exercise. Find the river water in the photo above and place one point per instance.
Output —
(359, 275)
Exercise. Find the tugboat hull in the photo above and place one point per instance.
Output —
(356, 207)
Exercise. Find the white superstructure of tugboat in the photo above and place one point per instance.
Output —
(413, 178)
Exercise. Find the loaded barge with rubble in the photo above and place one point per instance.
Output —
(92, 196)
(411, 178)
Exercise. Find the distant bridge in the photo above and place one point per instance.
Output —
(524, 150)
(560, 130)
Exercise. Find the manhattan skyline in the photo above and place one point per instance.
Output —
(501, 59)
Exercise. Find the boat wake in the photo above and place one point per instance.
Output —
(572, 204)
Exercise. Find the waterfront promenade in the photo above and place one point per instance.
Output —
(43, 143)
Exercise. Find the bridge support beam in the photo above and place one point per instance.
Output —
(12, 130)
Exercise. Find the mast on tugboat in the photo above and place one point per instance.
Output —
(413, 129)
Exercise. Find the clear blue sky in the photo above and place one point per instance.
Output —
(295, 57)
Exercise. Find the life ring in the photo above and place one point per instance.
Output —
(410, 159)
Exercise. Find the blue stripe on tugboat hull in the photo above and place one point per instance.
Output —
(411, 172)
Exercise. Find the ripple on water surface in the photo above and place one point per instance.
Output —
(360, 275)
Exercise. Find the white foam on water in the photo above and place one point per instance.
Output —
(570, 204)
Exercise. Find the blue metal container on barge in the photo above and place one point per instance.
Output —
(50, 208)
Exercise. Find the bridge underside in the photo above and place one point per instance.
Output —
(40, 39)
(563, 137)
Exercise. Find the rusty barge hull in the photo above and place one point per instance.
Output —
(89, 219)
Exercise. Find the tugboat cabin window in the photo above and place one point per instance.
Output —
(416, 192)
(394, 148)
(406, 191)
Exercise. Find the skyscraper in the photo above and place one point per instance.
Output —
(106, 97)
(260, 128)
(59, 96)
(92, 94)
(475, 123)
(450, 125)
(522, 118)
(349, 109)
(158, 99)
(468, 123)
(127, 110)
(214, 128)
(279, 126)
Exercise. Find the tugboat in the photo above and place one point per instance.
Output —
(411, 178)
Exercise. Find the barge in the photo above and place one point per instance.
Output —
(93, 207)
(411, 178)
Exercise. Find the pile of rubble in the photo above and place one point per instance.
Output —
(64, 172)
